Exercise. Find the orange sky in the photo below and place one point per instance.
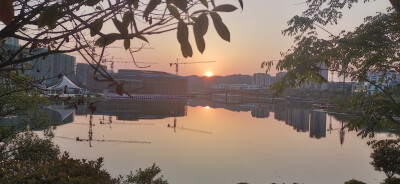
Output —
(255, 37)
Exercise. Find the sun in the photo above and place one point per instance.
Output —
(209, 74)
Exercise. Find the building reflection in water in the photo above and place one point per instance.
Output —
(302, 120)
(133, 110)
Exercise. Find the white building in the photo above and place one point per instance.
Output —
(388, 81)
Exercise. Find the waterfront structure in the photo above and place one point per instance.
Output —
(66, 86)
(235, 86)
(383, 80)
(261, 79)
(264, 80)
(150, 82)
(85, 78)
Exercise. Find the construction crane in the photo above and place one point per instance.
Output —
(112, 62)
(177, 63)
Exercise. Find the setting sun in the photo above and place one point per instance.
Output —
(209, 74)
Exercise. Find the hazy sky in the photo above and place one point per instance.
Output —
(255, 37)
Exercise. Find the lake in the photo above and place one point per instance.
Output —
(196, 141)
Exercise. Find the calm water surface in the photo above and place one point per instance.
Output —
(216, 143)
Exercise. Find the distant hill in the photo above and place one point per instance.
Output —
(197, 83)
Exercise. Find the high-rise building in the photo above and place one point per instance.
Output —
(46, 68)
(85, 77)
(311, 85)
(50, 67)
(261, 79)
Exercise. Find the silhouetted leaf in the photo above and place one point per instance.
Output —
(127, 18)
(174, 11)
(181, 4)
(101, 42)
(48, 17)
(183, 32)
(201, 44)
(136, 4)
(213, 3)
(150, 7)
(6, 11)
(222, 30)
(225, 8)
(121, 28)
(96, 26)
(127, 43)
(142, 38)
(201, 24)
(200, 29)
(241, 4)
(183, 38)
(204, 2)
(91, 2)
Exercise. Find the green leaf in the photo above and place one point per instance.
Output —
(183, 39)
(92, 2)
(204, 2)
(150, 7)
(48, 17)
(174, 11)
(127, 18)
(225, 8)
(101, 42)
(222, 30)
(200, 29)
(96, 26)
(127, 43)
(120, 26)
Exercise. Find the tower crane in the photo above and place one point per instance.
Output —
(177, 63)
(112, 62)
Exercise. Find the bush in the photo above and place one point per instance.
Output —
(61, 170)
(393, 180)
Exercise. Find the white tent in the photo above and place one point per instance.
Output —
(65, 82)
(64, 113)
